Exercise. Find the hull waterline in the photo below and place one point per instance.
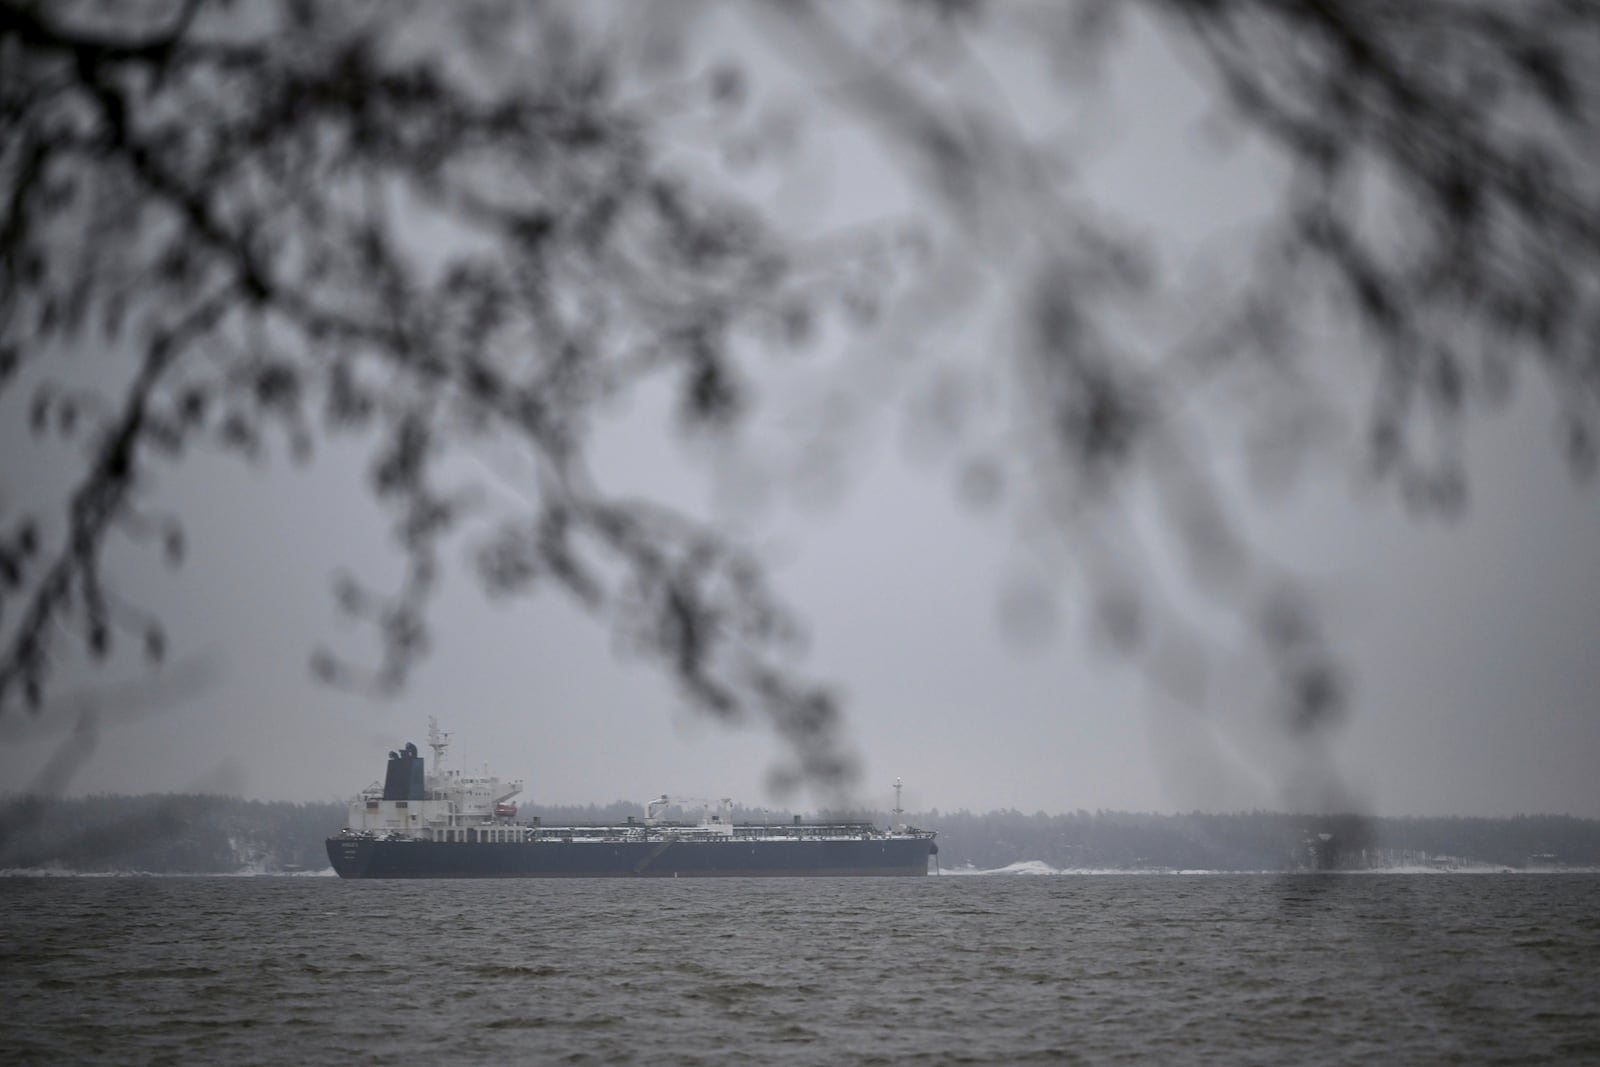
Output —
(369, 858)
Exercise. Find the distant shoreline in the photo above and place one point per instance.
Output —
(209, 834)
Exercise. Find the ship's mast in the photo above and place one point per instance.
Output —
(899, 824)
(438, 740)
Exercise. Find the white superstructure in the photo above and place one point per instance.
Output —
(449, 805)
(452, 805)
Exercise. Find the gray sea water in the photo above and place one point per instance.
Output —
(1168, 968)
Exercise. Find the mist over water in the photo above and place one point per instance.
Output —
(1220, 968)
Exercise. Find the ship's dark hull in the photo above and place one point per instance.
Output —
(355, 857)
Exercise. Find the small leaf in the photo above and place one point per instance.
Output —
(277, 385)
(155, 643)
(99, 640)
(324, 667)
(728, 85)
(349, 595)
(172, 544)
(192, 403)
(1581, 447)
(39, 411)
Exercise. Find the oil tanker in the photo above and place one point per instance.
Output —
(452, 825)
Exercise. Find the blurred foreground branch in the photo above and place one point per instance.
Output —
(451, 228)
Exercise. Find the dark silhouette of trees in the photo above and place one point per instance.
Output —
(164, 834)
(438, 229)
(175, 834)
(446, 228)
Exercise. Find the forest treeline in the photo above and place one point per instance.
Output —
(173, 833)
(1259, 841)
(190, 834)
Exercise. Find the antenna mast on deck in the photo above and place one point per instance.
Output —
(899, 823)
(438, 740)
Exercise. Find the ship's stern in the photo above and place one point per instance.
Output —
(350, 856)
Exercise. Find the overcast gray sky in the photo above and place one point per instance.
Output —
(1472, 642)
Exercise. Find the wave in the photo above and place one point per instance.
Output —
(1033, 868)
(1029, 868)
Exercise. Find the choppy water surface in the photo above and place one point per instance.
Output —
(937, 970)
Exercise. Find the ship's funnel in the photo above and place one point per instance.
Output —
(404, 779)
